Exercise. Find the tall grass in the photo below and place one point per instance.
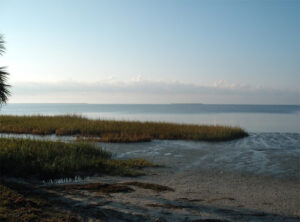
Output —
(115, 131)
(48, 160)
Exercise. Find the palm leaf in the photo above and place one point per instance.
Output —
(4, 92)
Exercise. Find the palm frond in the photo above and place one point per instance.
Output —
(4, 87)
(4, 91)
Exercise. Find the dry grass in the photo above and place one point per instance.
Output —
(115, 131)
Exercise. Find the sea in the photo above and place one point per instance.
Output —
(272, 148)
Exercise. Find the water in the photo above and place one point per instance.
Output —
(272, 154)
(253, 118)
(273, 147)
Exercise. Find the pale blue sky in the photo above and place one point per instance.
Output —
(152, 51)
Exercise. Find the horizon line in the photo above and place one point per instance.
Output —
(68, 103)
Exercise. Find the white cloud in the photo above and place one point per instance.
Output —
(139, 90)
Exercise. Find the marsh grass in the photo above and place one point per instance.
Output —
(115, 131)
(48, 160)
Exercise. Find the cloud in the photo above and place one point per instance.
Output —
(139, 90)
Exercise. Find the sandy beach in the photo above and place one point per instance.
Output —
(197, 196)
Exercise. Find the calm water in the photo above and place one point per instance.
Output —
(253, 118)
(272, 154)
(273, 147)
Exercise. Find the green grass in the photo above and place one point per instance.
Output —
(115, 131)
(48, 160)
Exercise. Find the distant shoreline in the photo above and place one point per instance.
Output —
(213, 104)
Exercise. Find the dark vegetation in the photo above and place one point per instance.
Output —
(115, 131)
(47, 160)
(4, 91)
(19, 202)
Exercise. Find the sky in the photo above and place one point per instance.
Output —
(152, 51)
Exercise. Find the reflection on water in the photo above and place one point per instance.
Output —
(51, 137)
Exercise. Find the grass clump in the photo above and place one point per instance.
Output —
(48, 160)
(115, 131)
